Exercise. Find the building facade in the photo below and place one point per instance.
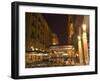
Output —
(38, 34)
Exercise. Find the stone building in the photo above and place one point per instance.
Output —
(38, 35)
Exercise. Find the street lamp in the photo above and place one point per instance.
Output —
(85, 44)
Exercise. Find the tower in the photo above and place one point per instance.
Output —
(70, 30)
(54, 39)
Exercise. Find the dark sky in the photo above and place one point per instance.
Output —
(57, 24)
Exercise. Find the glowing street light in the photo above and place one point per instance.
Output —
(80, 51)
(84, 27)
(32, 48)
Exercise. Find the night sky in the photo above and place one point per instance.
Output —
(57, 24)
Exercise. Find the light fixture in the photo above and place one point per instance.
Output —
(32, 48)
(84, 27)
(79, 37)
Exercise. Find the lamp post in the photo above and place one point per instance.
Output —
(85, 44)
(80, 50)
